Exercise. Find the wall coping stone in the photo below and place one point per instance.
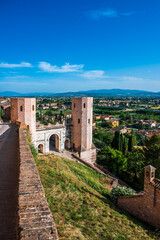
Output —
(35, 219)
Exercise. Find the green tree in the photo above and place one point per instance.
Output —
(130, 144)
(140, 139)
(117, 141)
(124, 146)
(130, 119)
(152, 152)
(112, 159)
(128, 135)
(105, 137)
(135, 162)
(122, 122)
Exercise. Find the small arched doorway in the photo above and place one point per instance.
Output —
(67, 144)
(40, 148)
(54, 143)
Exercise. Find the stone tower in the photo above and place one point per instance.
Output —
(149, 175)
(82, 118)
(24, 110)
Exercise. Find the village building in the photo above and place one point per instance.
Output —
(113, 122)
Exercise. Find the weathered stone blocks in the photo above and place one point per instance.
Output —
(35, 218)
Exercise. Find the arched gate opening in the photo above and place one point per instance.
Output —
(54, 143)
(67, 144)
(40, 148)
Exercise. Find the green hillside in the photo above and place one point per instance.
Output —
(79, 201)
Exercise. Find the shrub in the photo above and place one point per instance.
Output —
(34, 151)
(120, 191)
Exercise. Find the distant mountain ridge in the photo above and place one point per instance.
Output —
(91, 93)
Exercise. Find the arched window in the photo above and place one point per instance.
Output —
(74, 105)
(21, 108)
(32, 107)
(84, 105)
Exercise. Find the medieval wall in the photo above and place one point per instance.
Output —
(35, 218)
(82, 115)
(82, 121)
(14, 110)
(144, 206)
(43, 137)
(89, 155)
(24, 110)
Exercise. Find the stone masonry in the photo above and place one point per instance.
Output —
(145, 206)
(35, 218)
(82, 118)
(78, 134)
(23, 110)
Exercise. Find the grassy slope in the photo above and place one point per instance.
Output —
(79, 211)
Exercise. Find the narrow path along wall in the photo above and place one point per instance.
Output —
(35, 218)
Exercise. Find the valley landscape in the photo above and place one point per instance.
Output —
(79, 120)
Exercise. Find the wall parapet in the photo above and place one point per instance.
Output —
(94, 167)
(112, 175)
(146, 205)
(35, 218)
(131, 196)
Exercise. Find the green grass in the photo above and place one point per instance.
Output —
(79, 201)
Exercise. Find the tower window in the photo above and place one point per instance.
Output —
(74, 105)
(84, 105)
(32, 107)
(89, 120)
(79, 120)
(21, 108)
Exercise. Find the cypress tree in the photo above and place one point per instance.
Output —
(130, 144)
(121, 142)
(117, 140)
(124, 146)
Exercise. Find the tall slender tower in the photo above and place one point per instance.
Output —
(82, 118)
(24, 110)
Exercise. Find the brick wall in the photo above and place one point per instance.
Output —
(144, 206)
(24, 110)
(89, 155)
(35, 218)
(82, 115)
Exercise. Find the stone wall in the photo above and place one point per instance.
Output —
(35, 218)
(114, 181)
(111, 174)
(89, 155)
(145, 206)
(82, 120)
(82, 115)
(24, 110)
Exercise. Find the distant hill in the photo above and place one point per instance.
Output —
(91, 93)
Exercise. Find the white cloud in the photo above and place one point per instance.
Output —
(131, 78)
(22, 83)
(47, 67)
(14, 65)
(17, 77)
(99, 74)
(94, 74)
(107, 13)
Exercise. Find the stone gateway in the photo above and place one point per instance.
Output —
(76, 136)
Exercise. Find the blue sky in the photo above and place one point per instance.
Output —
(68, 45)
